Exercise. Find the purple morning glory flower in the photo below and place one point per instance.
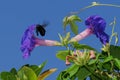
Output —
(30, 41)
(96, 25)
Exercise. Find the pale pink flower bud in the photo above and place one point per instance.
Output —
(92, 54)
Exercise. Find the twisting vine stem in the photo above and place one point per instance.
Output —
(92, 5)
(114, 34)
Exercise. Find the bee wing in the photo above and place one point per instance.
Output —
(45, 23)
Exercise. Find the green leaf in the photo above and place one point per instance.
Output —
(59, 77)
(92, 77)
(21, 75)
(107, 66)
(100, 77)
(26, 73)
(74, 18)
(71, 20)
(34, 68)
(38, 69)
(99, 65)
(82, 46)
(105, 48)
(46, 73)
(114, 78)
(67, 19)
(117, 63)
(72, 70)
(13, 71)
(7, 76)
(67, 37)
(68, 73)
(74, 27)
(83, 73)
(61, 38)
(92, 61)
(107, 59)
(65, 22)
(115, 51)
(62, 54)
(73, 77)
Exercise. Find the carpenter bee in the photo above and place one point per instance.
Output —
(40, 29)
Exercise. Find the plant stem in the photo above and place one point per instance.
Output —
(113, 27)
(92, 5)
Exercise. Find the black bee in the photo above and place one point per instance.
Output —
(40, 29)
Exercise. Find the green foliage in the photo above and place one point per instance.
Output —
(115, 51)
(37, 69)
(68, 73)
(93, 61)
(74, 27)
(7, 76)
(83, 73)
(67, 37)
(107, 59)
(100, 68)
(117, 63)
(103, 67)
(27, 72)
(78, 46)
(71, 20)
(13, 71)
(64, 39)
(62, 54)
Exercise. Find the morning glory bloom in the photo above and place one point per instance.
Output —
(30, 41)
(95, 25)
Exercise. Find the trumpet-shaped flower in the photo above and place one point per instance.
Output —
(30, 41)
(95, 25)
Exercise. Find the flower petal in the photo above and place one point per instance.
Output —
(28, 41)
(97, 25)
(104, 38)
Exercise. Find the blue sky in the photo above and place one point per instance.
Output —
(16, 16)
